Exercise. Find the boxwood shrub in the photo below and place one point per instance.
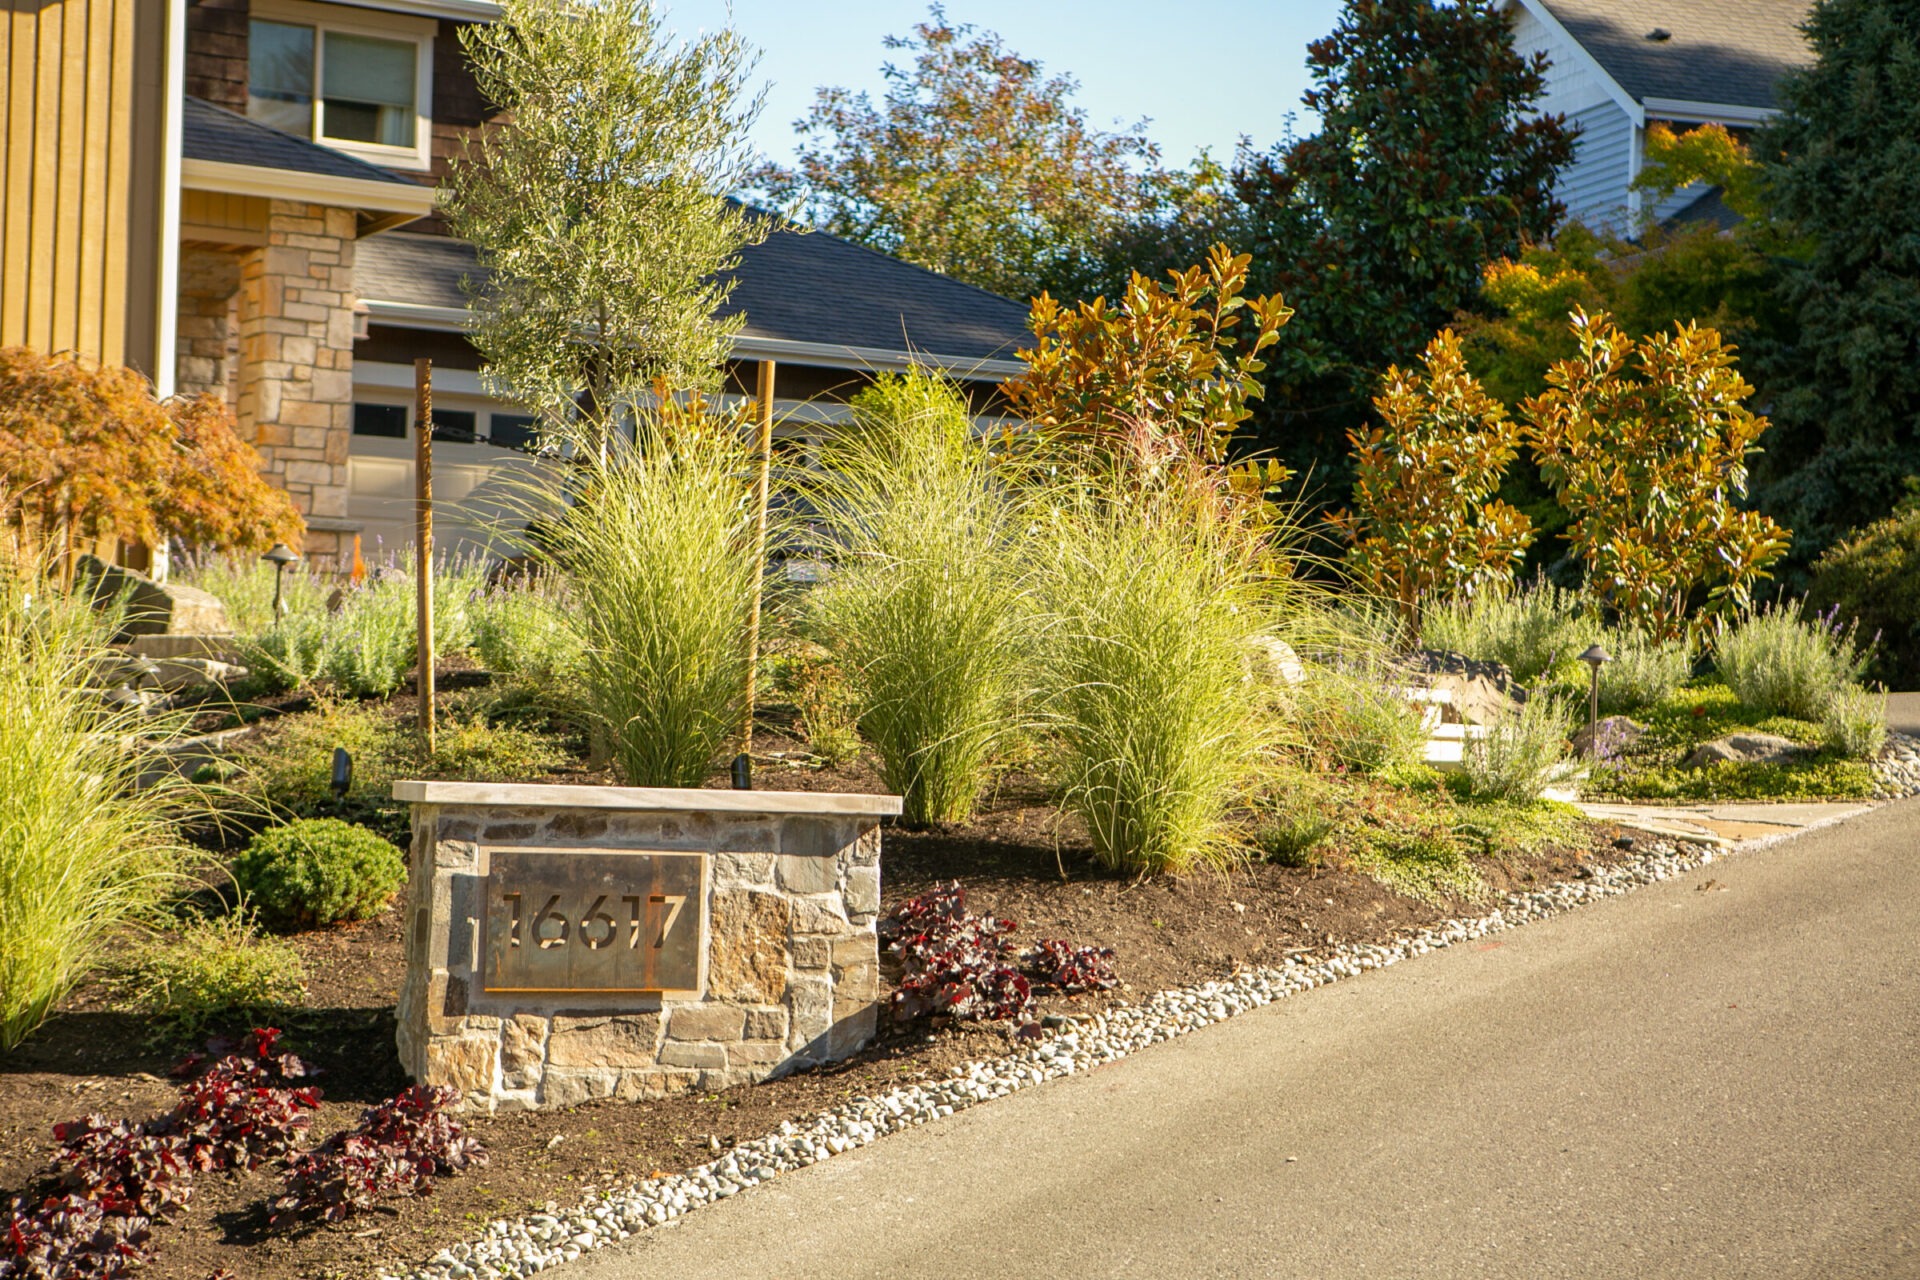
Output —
(318, 871)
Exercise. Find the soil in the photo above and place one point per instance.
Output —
(1018, 859)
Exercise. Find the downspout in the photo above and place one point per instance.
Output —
(166, 356)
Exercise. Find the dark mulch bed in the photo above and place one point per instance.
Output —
(1019, 859)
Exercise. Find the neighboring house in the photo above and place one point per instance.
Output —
(1622, 65)
(236, 196)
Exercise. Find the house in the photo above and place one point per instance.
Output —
(236, 197)
(1619, 66)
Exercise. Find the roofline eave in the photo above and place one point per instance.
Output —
(746, 346)
(371, 195)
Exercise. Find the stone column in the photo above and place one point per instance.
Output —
(296, 359)
(209, 279)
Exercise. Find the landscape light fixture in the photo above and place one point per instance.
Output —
(1593, 657)
(280, 555)
(743, 772)
(342, 780)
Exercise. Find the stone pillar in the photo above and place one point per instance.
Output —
(209, 281)
(296, 360)
(788, 975)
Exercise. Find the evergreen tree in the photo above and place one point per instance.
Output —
(1427, 166)
(1843, 170)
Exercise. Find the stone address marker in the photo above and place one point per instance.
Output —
(570, 943)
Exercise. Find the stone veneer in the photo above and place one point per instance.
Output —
(296, 360)
(791, 975)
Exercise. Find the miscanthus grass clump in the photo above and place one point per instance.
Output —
(927, 610)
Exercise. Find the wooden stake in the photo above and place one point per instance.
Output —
(765, 451)
(423, 537)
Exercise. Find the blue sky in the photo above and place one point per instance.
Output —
(1203, 71)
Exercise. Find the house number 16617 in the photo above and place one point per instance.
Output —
(599, 925)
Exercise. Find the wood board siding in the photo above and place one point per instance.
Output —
(80, 126)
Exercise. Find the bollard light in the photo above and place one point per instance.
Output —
(743, 772)
(280, 555)
(1594, 657)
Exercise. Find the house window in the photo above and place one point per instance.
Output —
(513, 431)
(367, 89)
(454, 426)
(389, 420)
(361, 90)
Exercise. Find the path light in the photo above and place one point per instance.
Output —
(342, 780)
(280, 555)
(743, 772)
(1593, 657)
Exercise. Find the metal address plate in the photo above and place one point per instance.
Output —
(592, 921)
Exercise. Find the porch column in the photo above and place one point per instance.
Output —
(296, 362)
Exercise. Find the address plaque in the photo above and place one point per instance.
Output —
(593, 921)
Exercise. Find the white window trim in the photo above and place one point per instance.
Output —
(366, 22)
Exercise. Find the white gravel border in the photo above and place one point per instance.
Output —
(532, 1244)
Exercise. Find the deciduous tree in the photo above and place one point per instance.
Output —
(975, 164)
(87, 453)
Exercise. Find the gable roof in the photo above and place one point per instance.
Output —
(812, 298)
(1724, 52)
(209, 132)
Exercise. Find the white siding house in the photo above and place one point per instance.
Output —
(1619, 66)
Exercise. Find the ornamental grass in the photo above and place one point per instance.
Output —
(85, 852)
(928, 608)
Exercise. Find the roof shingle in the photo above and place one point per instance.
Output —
(810, 287)
(214, 133)
(1726, 52)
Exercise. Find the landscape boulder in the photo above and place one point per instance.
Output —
(153, 608)
(1615, 735)
(1476, 692)
(1276, 660)
(1744, 748)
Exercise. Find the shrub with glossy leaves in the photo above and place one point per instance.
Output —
(1162, 354)
(1645, 444)
(318, 871)
(1425, 522)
